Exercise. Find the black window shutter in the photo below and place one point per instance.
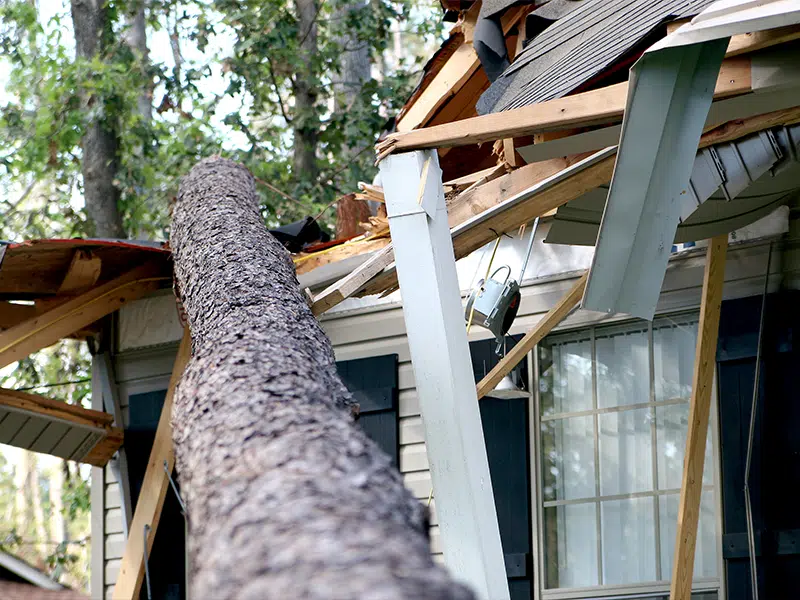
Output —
(505, 432)
(373, 382)
(775, 466)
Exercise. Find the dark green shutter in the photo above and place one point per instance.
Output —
(373, 382)
(505, 432)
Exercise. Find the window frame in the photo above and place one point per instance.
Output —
(640, 590)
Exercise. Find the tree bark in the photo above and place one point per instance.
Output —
(100, 143)
(305, 121)
(287, 497)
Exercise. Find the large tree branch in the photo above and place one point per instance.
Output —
(287, 497)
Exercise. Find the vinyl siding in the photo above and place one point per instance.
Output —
(368, 332)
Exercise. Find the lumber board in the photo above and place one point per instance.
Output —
(82, 274)
(758, 40)
(154, 488)
(352, 283)
(595, 107)
(478, 199)
(694, 456)
(308, 262)
(520, 350)
(47, 328)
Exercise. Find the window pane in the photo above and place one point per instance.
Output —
(623, 369)
(565, 382)
(673, 360)
(705, 554)
(626, 458)
(568, 458)
(570, 534)
(629, 545)
(672, 423)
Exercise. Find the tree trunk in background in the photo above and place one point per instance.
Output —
(305, 122)
(22, 504)
(58, 531)
(354, 70)
(36, 504)
(354, 63)
(136, 39)
(287, 497)
(100, 143)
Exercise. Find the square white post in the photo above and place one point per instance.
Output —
(437, 338)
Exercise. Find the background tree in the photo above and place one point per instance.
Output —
(104, 104)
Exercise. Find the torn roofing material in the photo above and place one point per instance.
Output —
(579, 46)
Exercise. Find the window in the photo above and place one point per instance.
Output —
(613, 405)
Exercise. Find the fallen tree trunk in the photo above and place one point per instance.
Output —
(287, 497)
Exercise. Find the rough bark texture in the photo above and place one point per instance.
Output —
(350, 213)
(305, 122)
(100, 143)
(287, 497)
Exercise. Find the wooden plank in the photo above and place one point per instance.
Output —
(595, 107)
(46, 329)
(82, 274)
(308, 262)
(477, 199)
(694, 456)
(349, 285)
(154, 488)
(758, 40)
(553, 317)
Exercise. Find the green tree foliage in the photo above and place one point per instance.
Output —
(227, 88)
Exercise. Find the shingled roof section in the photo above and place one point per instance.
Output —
(578, 46)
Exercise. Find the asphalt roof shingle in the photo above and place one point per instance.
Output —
(578, 46)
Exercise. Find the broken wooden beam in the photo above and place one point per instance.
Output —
(154, 489)
(47, 328)
(48, 426)
(595, 107)
(520, 350)
(702, 382)
(378, 277)
(305, 263)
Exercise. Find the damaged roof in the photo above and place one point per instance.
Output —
(587, 38)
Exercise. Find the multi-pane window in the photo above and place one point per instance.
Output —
(613, 412)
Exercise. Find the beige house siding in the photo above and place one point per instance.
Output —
(366, 332)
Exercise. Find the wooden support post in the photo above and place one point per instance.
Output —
(702, 382)
(46, 329)
(154, 489)
(556, 314)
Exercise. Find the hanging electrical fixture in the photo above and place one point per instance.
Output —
(494, 303)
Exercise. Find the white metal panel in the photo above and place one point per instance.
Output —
(426, 271)
(148, 322)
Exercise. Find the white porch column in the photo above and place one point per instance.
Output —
(437, 338)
